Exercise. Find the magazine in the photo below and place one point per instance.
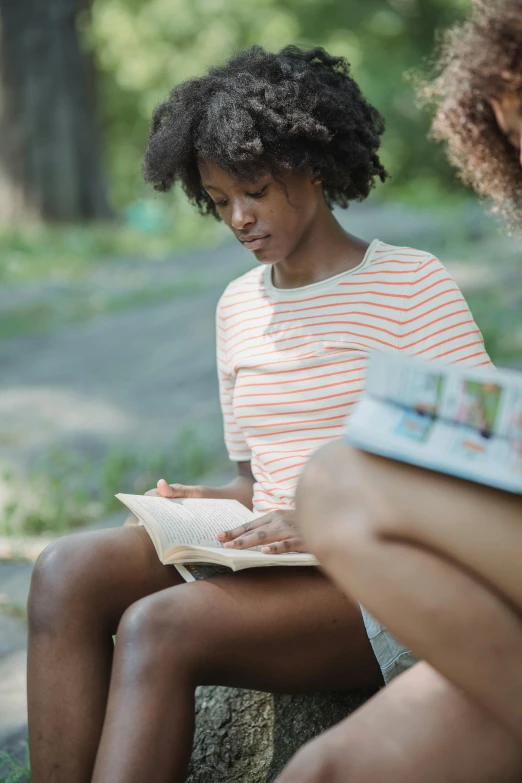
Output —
(464, 422)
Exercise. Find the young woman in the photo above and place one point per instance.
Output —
(436, 559)
(267, 143)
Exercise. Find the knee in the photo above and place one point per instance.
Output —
(335, 502)
(159, 627)
(49, 584)
(60, 581)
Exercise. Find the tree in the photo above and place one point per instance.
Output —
(144, 47)
(49, 161)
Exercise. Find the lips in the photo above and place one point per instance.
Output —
(255, 243)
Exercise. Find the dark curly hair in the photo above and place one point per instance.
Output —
(264, 112)
(478, 60)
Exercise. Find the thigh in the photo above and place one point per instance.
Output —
(275, 629)
(98, 575)
(477, 526)
(418, 728)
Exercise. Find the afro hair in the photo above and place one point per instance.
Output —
(263, 112)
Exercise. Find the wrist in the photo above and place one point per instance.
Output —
(240, 489)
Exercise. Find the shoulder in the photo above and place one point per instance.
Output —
(246, 287)
(400, 260)
(408, 265)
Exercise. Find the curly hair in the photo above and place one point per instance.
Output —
(263, 112)
(480, 59)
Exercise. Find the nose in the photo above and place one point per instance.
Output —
(241, 216)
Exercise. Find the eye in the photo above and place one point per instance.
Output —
(221, 203)
(258, 193)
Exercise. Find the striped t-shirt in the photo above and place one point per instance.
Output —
(291, 361)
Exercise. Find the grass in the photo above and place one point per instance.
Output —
(14, 611)
(16, 771)
(70, 252)
(65, 490)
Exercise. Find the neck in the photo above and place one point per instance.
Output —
(325, 250)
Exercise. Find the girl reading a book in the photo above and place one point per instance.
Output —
(437, 559)
(267, 143)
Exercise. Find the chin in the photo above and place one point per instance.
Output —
(267, 261)
(268, 257)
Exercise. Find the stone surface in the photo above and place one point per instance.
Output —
(248, 737)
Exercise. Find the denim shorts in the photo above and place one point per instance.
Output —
(392, 656)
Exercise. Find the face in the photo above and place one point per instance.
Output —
(508, 112)
(270, 223)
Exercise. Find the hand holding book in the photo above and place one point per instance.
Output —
(275, 532)
(187, 530)
(164, 490)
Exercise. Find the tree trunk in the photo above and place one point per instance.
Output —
(49, 163)
(248, 737)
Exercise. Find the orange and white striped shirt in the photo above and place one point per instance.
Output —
(291, 362)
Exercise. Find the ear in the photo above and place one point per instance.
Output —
(498, 111)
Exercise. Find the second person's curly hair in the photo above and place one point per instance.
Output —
(264, 112)
(480, 59)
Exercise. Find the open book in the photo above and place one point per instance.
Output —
(464, 422)
(184, 531)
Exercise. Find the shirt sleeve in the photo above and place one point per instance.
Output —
(237, 447)
(436, 320)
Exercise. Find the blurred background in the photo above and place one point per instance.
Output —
(108, 290)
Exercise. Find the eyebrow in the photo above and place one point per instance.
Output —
(209, 187)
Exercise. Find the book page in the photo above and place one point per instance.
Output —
(187, 521)
(407, 435)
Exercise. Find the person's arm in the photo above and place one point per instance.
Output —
(241, 488)
(436, 322)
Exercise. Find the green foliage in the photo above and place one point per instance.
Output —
(16, 771)
(499, 322)
(65, 490)
(144, 47)
(61, 253)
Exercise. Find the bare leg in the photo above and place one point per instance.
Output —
(267, 629)
(477, 526)
(81, 586)
(444, 614)
(418, 728)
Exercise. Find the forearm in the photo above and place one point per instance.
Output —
(240, 489)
